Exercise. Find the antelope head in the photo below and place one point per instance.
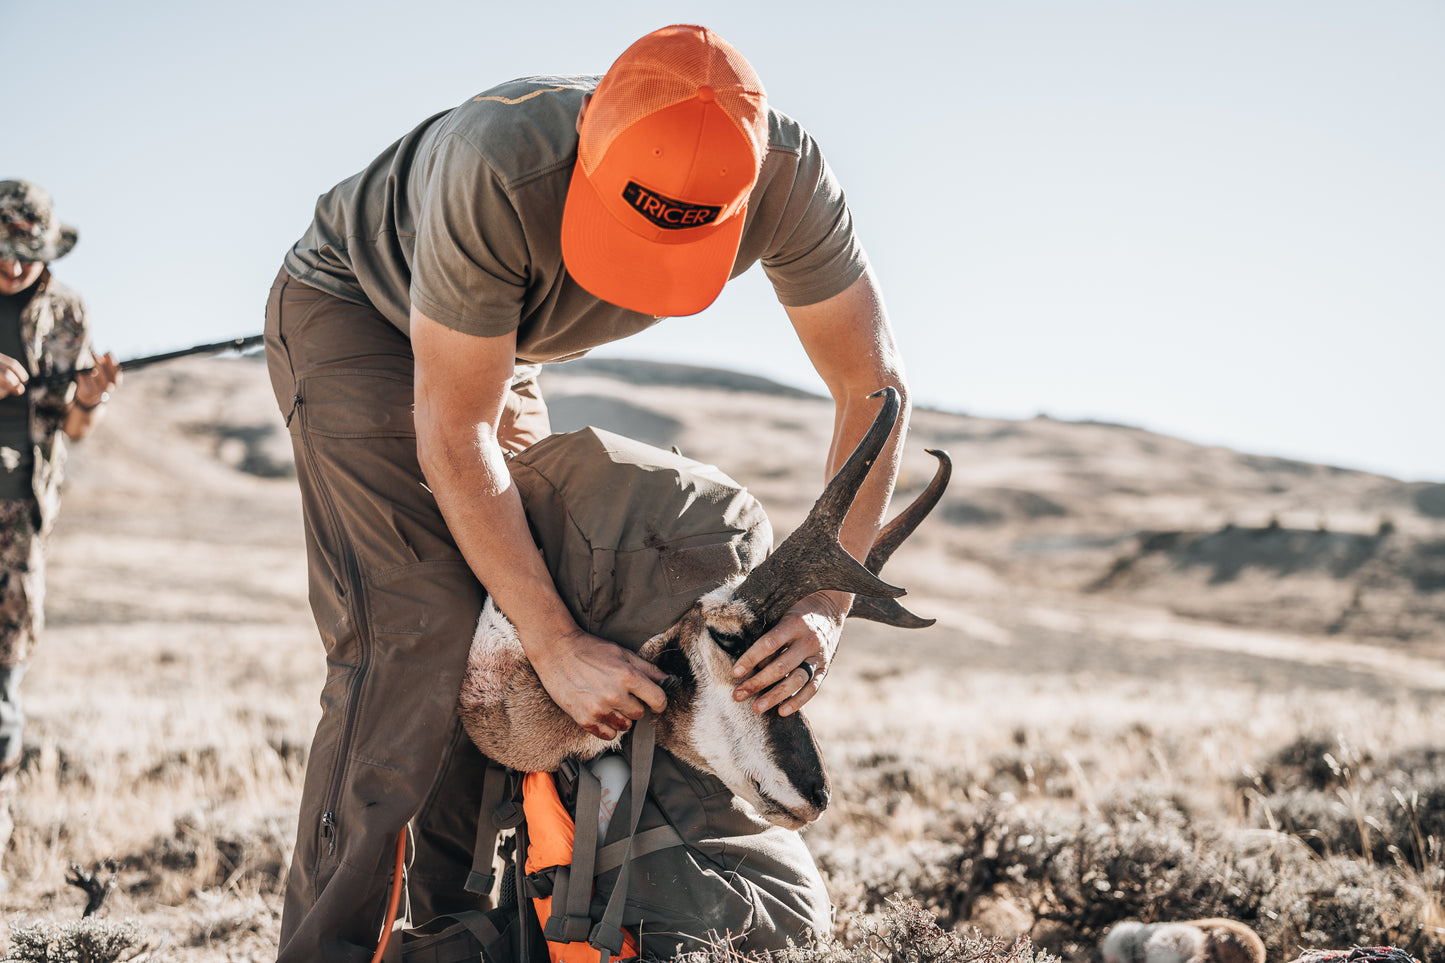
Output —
(771, 761)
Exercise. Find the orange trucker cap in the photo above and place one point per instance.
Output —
(670, 146)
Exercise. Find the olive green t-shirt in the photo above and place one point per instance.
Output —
(463, 218)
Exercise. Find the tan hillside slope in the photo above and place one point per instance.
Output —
(1060, 546)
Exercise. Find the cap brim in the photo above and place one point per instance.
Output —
(56, 247)
(665, 280)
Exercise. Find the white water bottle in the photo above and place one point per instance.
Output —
(613, 772)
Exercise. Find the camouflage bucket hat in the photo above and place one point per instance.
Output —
(28, 228)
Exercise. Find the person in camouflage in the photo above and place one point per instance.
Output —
(43, 336)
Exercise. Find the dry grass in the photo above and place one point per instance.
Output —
(1041, 764)
(1057, 812)
(1039, 809)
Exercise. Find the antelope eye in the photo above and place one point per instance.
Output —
(733, 645)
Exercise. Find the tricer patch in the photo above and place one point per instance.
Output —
(665, 212)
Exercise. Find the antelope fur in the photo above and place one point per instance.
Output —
(510, 717)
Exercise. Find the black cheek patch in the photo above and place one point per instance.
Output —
(674, 662)
(791, 738)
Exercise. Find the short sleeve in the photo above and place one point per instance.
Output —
(471, 265)
(71, 334)
(66, 348)
(814, 253)
(86, 357)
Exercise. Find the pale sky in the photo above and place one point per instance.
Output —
(1222, 220)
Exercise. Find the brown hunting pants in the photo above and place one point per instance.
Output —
(396, 606)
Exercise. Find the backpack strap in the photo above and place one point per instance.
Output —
(525, 908)
(571, 919)
(570, 886)
(466, 936)
(607, 934)
(611, 856)
(499, 812)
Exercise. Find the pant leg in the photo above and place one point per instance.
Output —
(396, 607)
(22, 580)
(12, 721)
(524, 418)
(22, 597)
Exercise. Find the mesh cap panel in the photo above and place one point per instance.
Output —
(665, 68)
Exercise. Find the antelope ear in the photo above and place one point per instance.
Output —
(671, 659)
(656, 649)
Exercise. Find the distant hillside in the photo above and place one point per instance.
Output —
(1040, 511)
(1101, 509)
(675, 375)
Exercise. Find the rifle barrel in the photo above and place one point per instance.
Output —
(134, 364)
(235, 344)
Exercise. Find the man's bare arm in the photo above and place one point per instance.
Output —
(850, 342)
(461, 387)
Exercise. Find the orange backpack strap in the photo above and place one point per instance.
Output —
(550, 831)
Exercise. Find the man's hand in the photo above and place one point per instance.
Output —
(12, 376)
(93, 385)
(788, 664)
(601, 685)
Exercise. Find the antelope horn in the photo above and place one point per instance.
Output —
(889, 611)
(811, 558)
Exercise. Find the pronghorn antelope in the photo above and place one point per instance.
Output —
(771, 761)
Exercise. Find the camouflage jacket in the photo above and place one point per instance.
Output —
(56, 341)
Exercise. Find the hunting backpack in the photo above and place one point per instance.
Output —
(633, 535)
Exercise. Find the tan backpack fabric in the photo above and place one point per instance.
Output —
(633, 534)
